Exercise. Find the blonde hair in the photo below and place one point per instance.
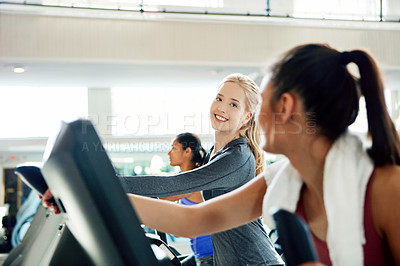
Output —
(251, 130)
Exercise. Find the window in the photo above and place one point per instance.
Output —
(337, 9)
(28, 112)
(369, 10)
(360, 125)
(132, 4)
(161, 111)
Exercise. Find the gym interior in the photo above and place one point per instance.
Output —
(142, 72)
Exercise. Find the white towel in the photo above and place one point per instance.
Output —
(346, 173)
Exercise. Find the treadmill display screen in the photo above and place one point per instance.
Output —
(83, 181)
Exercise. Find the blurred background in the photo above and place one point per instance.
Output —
(144, 71)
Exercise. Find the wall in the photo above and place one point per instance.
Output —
(76, 38)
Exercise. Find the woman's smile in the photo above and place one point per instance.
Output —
(220, 118)
(228, 108)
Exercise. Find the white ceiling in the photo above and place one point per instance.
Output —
(50, 62)
(106, 74)
(144, 74)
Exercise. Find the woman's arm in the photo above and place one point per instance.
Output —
(219, 214)
(385, 196)
(230, 169)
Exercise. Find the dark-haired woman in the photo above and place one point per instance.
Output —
(187, 153)
(348, 194)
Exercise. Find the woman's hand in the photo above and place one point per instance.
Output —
(46, 201)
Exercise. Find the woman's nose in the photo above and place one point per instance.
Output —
(221, 107)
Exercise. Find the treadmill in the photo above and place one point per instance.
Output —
(97, 224)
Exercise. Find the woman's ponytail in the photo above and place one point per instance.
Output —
(192, 141)
(385, 147)
(252, 133)
(320, 76)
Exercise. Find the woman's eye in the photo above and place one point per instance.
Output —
(234, 105)
(218, 99)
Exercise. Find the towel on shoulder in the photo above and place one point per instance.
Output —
(346, 173)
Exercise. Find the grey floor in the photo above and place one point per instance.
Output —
(3, 257)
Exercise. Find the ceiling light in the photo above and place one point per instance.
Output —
(19, 70)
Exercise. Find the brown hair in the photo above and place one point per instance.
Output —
(192, 141)
(319, 75)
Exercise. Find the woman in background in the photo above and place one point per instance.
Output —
(187, 153)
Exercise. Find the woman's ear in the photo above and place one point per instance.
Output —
(188, 151)
(247, 118)
(287, 104)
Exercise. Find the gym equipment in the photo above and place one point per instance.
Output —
(294, 237)
(99, 214)
(48, 241)
(32, 176)
(97, 224)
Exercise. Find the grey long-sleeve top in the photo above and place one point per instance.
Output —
(228, 169)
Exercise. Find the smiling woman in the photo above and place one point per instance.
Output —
(227, 114)
(233, 161)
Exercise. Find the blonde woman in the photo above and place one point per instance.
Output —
(235, 159)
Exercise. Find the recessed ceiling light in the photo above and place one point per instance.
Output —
(19, 70)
